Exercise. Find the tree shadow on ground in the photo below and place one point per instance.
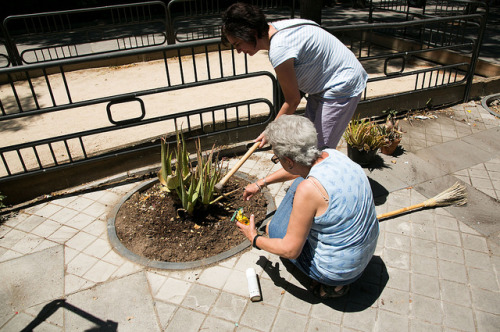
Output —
(363, 294)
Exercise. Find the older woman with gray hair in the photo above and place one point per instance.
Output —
(326, 224)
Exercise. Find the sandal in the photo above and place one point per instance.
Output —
(329, 292)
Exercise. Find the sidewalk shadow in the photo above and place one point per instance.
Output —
(363, 294)
(53, 306)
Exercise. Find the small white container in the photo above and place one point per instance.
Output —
(253, 285)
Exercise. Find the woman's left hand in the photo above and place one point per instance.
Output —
(248, 230)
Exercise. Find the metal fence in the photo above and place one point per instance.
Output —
(204, 89)
(43, 37)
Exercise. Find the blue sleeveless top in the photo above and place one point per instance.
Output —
(342, 240)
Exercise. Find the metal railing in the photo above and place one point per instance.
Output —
(185, 71)
(50, 36)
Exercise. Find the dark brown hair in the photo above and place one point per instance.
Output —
(245, 22)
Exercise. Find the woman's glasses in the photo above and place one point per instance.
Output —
(275, 159)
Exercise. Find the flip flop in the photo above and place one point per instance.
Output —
(329, 292)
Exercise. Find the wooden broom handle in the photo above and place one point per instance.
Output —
(238, 164)
(403, 210)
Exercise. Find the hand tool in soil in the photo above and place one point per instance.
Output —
(222, 182)
(455, 195)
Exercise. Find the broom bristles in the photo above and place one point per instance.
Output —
(455, 195)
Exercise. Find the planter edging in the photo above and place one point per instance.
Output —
(125, 252)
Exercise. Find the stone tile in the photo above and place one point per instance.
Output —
(125, 301)
(28, 224)
(249, 259)
(186, 275)
(289, 321)
(427, 309)
(424, 247)
(297, 303)
(27, 244)
(63, 234)
(80, 241)
(100, 272)
(216, 324)
(237, 283)
(200, 298)
(11, 238)
(398, 279)
(448, 237)
(456, 293)
(80, 221)
(483, 279)
(81, 264)
(271, 294)
(359, 318)
(229, 306)
(316, 325)
(397, 259)
(481, 183)
(452, 271)
(46, 228)
(398, 242)
(96, 209)
(173, 290)
(127, 268)
(64, 215)
(478, 260)
(113, 258)
(486, 300)
(422, 231)
(450, 253)
(48, 210)
(259, 316)
(165, 312)
(99, 248)
(476, 243)
(446, 222)
(425, 285)
(424, 265)
(395, 300)
(73, 284)
(215, 276)
(388, 321)
(155, 281)
(487, 321)
(96, 228)
(21, 320)
(80, 204)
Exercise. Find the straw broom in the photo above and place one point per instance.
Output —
(455, 195)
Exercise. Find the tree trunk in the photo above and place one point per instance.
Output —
(311, 10)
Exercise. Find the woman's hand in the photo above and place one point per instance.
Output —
(262, 140)
(248, 230)
(250, 190)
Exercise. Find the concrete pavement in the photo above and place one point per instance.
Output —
(434, 270)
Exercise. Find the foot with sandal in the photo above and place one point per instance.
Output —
(325, 292)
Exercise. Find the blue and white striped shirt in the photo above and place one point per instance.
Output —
(324, 66)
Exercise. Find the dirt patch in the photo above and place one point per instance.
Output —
(495, 106)
(151, 225)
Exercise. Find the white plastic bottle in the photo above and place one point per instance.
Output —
(253, 285)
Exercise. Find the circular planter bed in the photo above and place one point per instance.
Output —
(492, 104)
(148, 228)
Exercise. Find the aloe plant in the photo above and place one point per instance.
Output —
(193, 186)
(364, 135)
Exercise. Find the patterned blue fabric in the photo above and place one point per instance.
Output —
(342, 240)
(324, 66)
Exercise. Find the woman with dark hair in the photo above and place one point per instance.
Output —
(307, 59)
(326, 224)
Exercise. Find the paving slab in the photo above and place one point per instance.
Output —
(30, 280)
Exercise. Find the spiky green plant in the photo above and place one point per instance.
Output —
(192, 185)
(364, 135)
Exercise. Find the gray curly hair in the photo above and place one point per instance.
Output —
(295, 137)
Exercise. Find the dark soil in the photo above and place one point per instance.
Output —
(151, 225)
(495, 106)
